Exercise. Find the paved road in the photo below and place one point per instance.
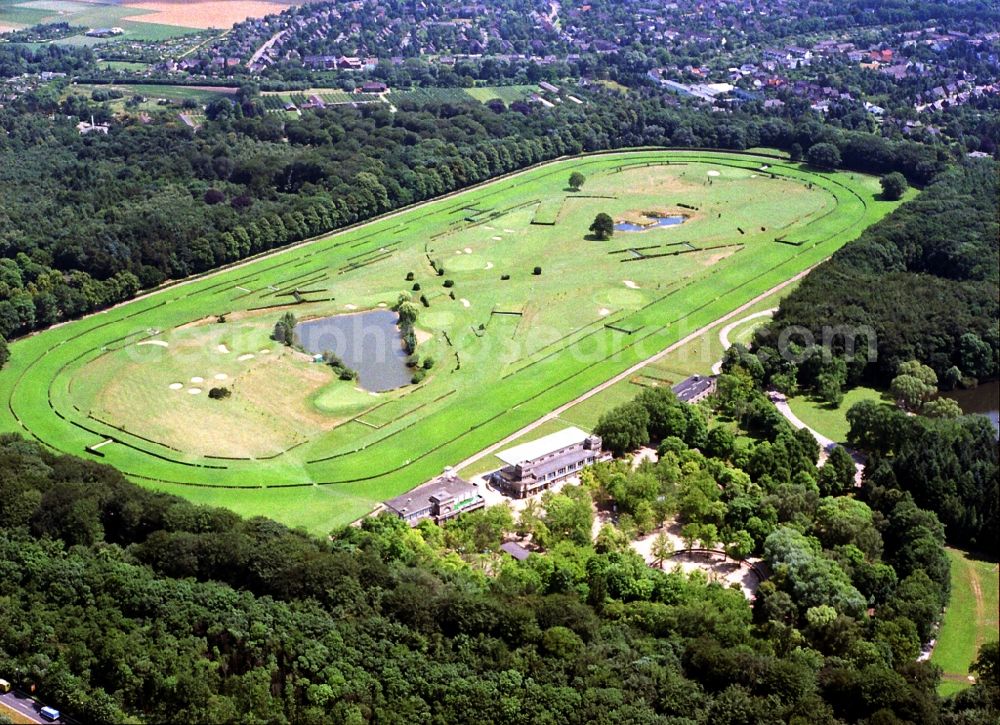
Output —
(626, 374)
(23, 706)
(724, 333)
(826, 444)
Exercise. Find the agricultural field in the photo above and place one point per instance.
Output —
(970, 620)
(129, 386)
(140, 19)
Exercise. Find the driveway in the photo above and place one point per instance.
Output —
(826, 445)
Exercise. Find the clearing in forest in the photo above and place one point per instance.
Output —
(506, 342)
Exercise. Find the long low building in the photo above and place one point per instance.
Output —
(533, 467)
(439, 500)
(695, 388)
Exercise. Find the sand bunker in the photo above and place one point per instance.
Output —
(223, 349)
(468, 250)
(713, 172)
(497, 239)
(465, 303)
(458, 251)
(489, 265)
(509, 231)
(604, 312)
(350, 307)
(382, 304)
(245, 357)
(158, 343)
(221, 376)
(197, 379)
(176, 386)
(264, 351)
(630, 284)
(488, 228)
(194, 391)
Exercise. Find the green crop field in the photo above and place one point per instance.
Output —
(970, 620)
(297, 444)
(88, 14)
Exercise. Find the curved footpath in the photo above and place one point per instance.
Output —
(826, 445)
(724, 333)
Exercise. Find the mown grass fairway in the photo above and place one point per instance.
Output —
(970, 620)
(299, 445)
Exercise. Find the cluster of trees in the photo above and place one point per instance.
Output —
(653, 415)
(284, 329)
(121, 603)
(949, 466)
(923, 284)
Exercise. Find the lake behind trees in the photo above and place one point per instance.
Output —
(367, 342)
(983, 399)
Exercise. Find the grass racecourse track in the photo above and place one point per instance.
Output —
(296, 444)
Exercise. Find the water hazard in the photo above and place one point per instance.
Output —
(654, 221)
(367, 342)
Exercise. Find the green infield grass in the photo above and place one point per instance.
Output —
(297, 444)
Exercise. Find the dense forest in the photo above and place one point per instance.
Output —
(121, 603)
(925, 280)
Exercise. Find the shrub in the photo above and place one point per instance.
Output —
(823, 156)
(893, 186)
(603, 226)
(537, 271)
(449, 283)
(416, 286)
(284, 329)
(214, 196)
(409, 276)
(428, 363)
(219, 393)
(418, 375)
(221, 319)
(423, 301)
(504, 277)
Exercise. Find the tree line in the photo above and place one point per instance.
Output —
(113, 214)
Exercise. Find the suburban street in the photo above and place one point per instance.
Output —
(22, 705)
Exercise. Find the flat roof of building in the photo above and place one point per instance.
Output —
(543, 446)
(419, 497)
(515, 550)
(693, 386)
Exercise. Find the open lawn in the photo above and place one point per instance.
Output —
(297, 444)
(970, 620)
(829, 421)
